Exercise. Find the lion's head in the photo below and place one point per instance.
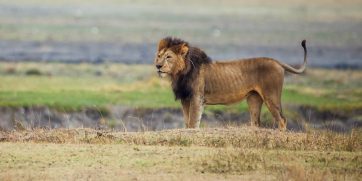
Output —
(181, 62)
(170, 57)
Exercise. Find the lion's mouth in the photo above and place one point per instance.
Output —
(161, 73)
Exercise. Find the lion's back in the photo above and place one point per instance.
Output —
(242, 67)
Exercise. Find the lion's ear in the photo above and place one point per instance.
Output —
(184, 49)
(162, 44)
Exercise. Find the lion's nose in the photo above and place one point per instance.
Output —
(158, 66)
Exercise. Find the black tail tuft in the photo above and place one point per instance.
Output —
(303, 43)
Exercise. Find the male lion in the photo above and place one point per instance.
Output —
(197, 81)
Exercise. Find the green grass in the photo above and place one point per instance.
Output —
(74, 86)
(322, 103)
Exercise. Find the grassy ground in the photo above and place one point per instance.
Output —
(242, 153)
(72, 86)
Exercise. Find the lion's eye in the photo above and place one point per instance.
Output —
(168, 57)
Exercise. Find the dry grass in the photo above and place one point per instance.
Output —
(238, 137)
(232, 161)
(285, 165)
(235, 153)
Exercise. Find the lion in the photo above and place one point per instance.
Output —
(197, 81)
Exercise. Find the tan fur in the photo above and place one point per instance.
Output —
(259, 80)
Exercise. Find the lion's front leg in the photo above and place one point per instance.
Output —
(195, 111)
(186, 112)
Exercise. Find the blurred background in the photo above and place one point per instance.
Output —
(75, 63)
(127, 31)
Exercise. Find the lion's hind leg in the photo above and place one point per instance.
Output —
(254, 103)
(275, 108)
(271, 91)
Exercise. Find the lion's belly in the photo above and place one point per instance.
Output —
(230, 98)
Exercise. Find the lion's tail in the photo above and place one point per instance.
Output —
(302, 68)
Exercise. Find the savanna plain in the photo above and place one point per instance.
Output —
(63, 80)
(230, 152)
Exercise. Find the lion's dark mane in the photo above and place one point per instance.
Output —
(182, 83)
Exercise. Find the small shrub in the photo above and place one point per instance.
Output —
(33, 71)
